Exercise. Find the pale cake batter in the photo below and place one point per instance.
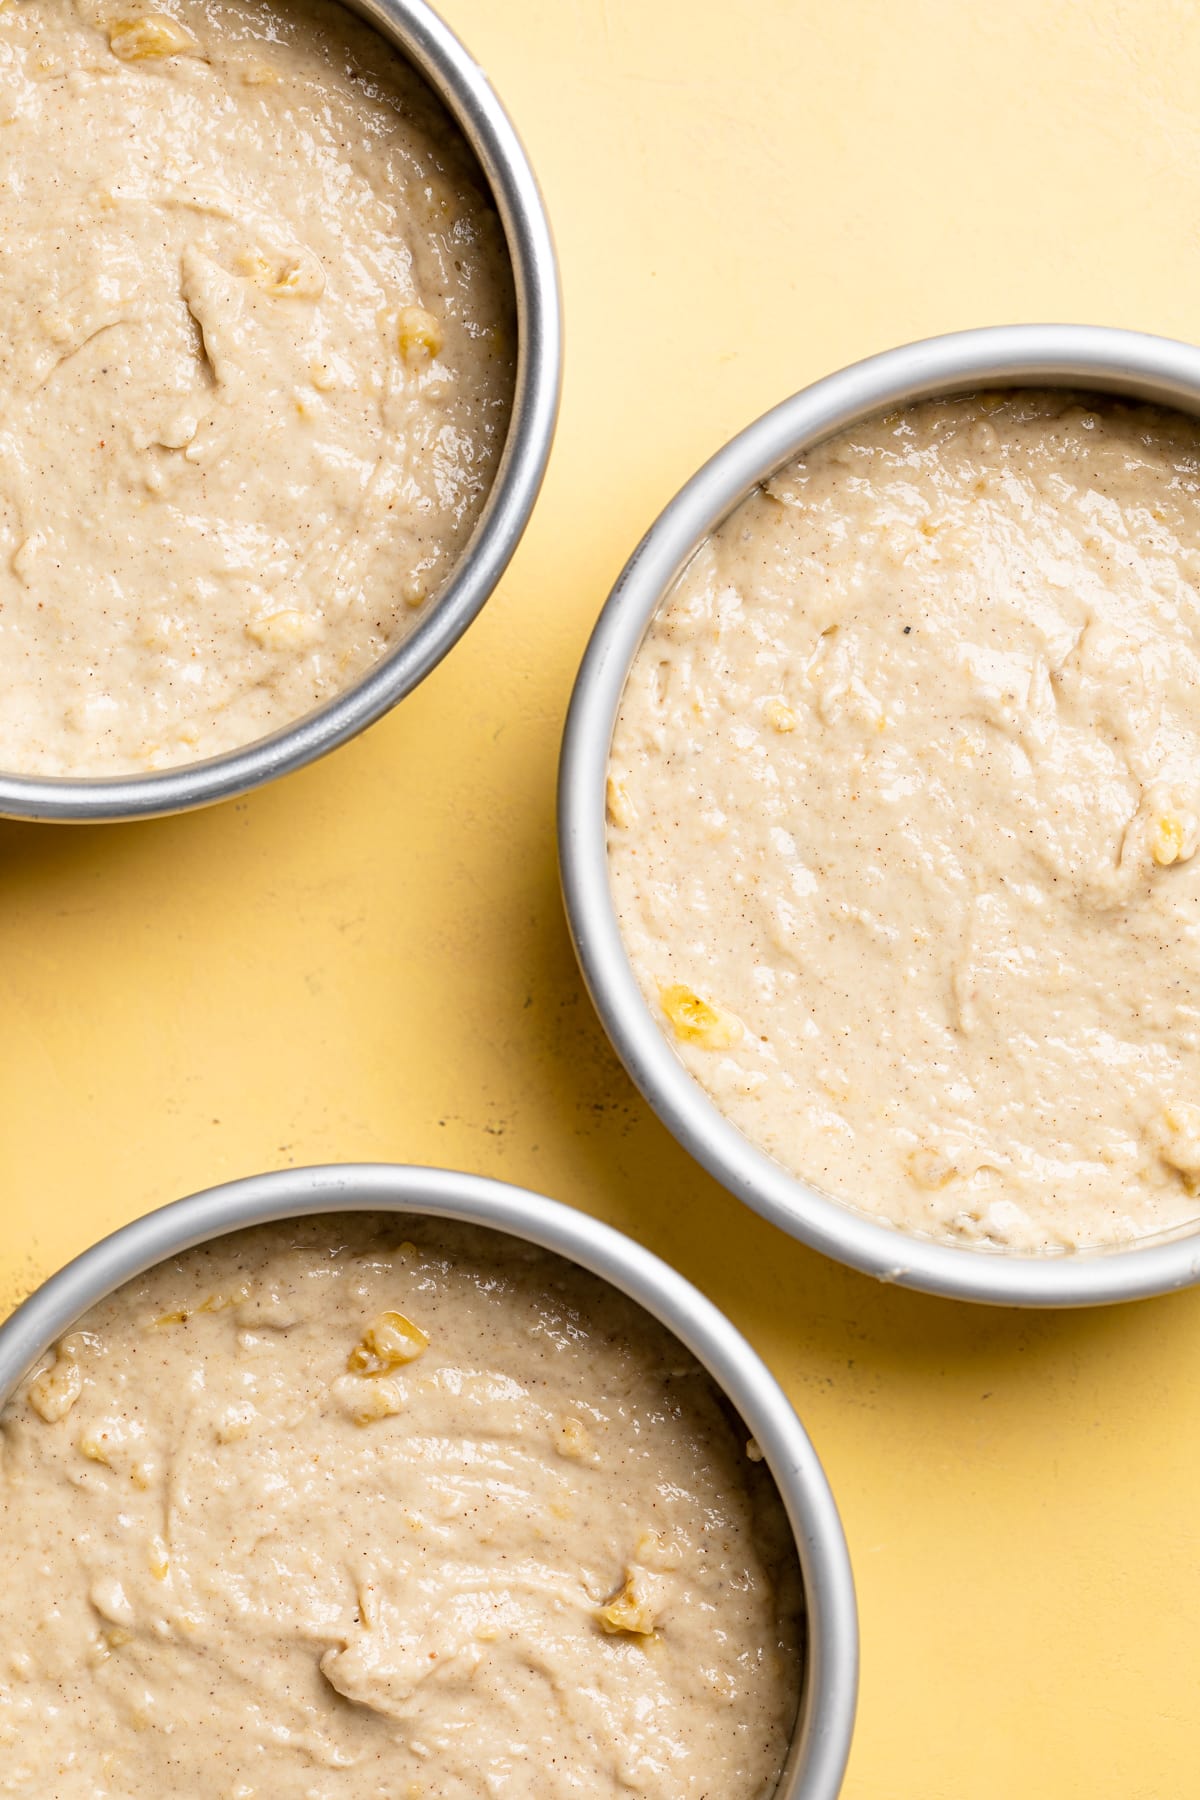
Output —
(256, 364)
(904, 801)
(386, 1507)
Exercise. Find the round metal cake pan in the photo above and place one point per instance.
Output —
(822, 1741)
(1091, 358)
(415, 30)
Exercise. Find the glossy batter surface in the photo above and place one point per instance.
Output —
(904, 801)
(385, 1507)
(256, 346)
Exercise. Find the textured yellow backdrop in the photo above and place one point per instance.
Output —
(369, 959)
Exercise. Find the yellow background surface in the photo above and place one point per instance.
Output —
(369, 959)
